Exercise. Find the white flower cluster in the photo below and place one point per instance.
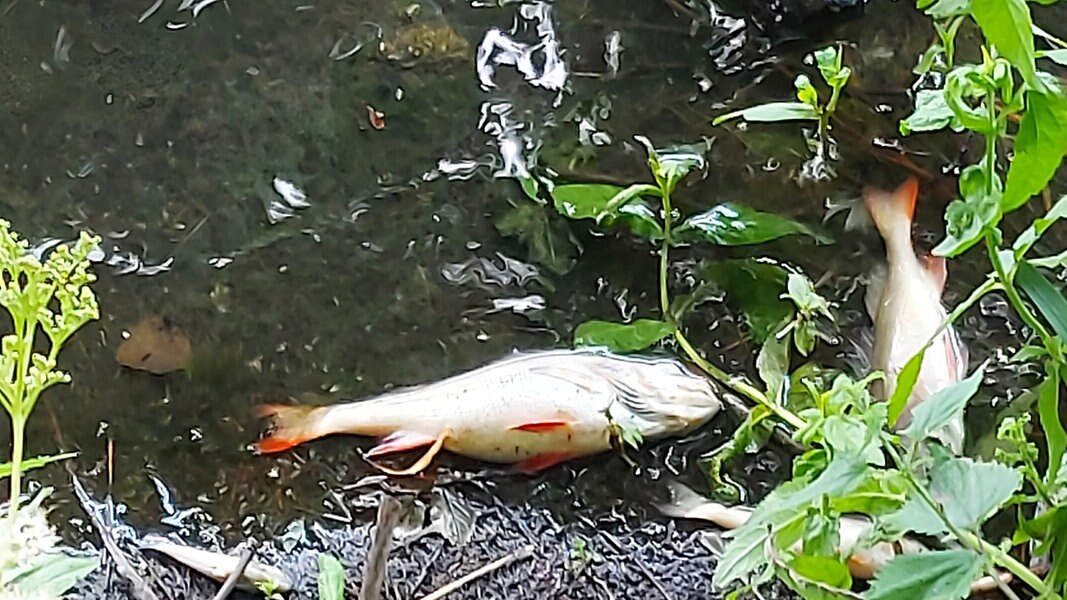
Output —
(21, 541)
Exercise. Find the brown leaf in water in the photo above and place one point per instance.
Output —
(156, 345)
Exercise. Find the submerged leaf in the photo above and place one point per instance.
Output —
(730, 224)
(753, 287)
(622, 337)
(944, 574)
(548, 240)
(157, 345)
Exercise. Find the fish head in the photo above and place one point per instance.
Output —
(666, 398)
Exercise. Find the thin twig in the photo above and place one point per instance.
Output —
(235, 576)
(520, 554)
(374, 569)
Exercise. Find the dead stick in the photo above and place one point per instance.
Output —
(374, 569)
(235, 576)
(520, 554)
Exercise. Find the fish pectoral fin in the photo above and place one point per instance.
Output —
(401, 441)
(423, 462)
(538, 426)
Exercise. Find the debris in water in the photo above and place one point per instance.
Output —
(219, 566)
(376, 118)
(157, 345)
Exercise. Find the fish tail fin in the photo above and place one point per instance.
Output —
(893, 212)
(290, 426)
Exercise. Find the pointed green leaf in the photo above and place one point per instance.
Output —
(1048, 408)
(942, 407)
(1057, 56)
(931, 113)
(622, 337)
(583, 200)
(1049, 300)
(35, 463)
(944, 574)
(1039, 148)
(730, 224)
(905, 384)
(1007, 25)
(52, 574)
(969, 491)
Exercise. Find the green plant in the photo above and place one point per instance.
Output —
(725, 224)
(269, 589)
(906, 484)
(809, 106)
(54, 297)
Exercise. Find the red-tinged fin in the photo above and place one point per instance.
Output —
(400, 441)
(539, 426)
(540, 462)
(423, 462)
(893, 212)
(290, 426)
(937, 268)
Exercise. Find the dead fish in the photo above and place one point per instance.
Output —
(533, 410)
(157, 345)
(219, 566)
(904, 301)
(863, 563)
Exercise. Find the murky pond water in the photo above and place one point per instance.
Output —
(415, 254)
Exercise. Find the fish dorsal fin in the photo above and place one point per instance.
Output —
(937, 269)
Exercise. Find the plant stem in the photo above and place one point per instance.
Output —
(737, 384)
(18, 432)
(664, 253)
(1006, 281)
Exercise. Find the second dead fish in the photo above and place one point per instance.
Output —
(533, 410)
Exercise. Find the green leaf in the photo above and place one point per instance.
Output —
(622, 337)
(924, 65)
(331, 578)
(1048, 409)
(1049, 300)
(51, 575)
(944, 574)
(546, 237)
(931, 113)
(730, 224)
(670, 164)
(847, 435)
(753, 287)
(1037, 228)
(966, 220)
(744, 551)
(1057, 56)
(824, 571)
(905, 384)
(1007, 25)
(942, 407)
(35, 463)
(583, 200)
(802, 292)
(969, 492)
(640, 219)
(771, 112)
(1039, 148)
(772, 363)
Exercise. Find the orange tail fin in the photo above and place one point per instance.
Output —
(892, 212)
(290, 426)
